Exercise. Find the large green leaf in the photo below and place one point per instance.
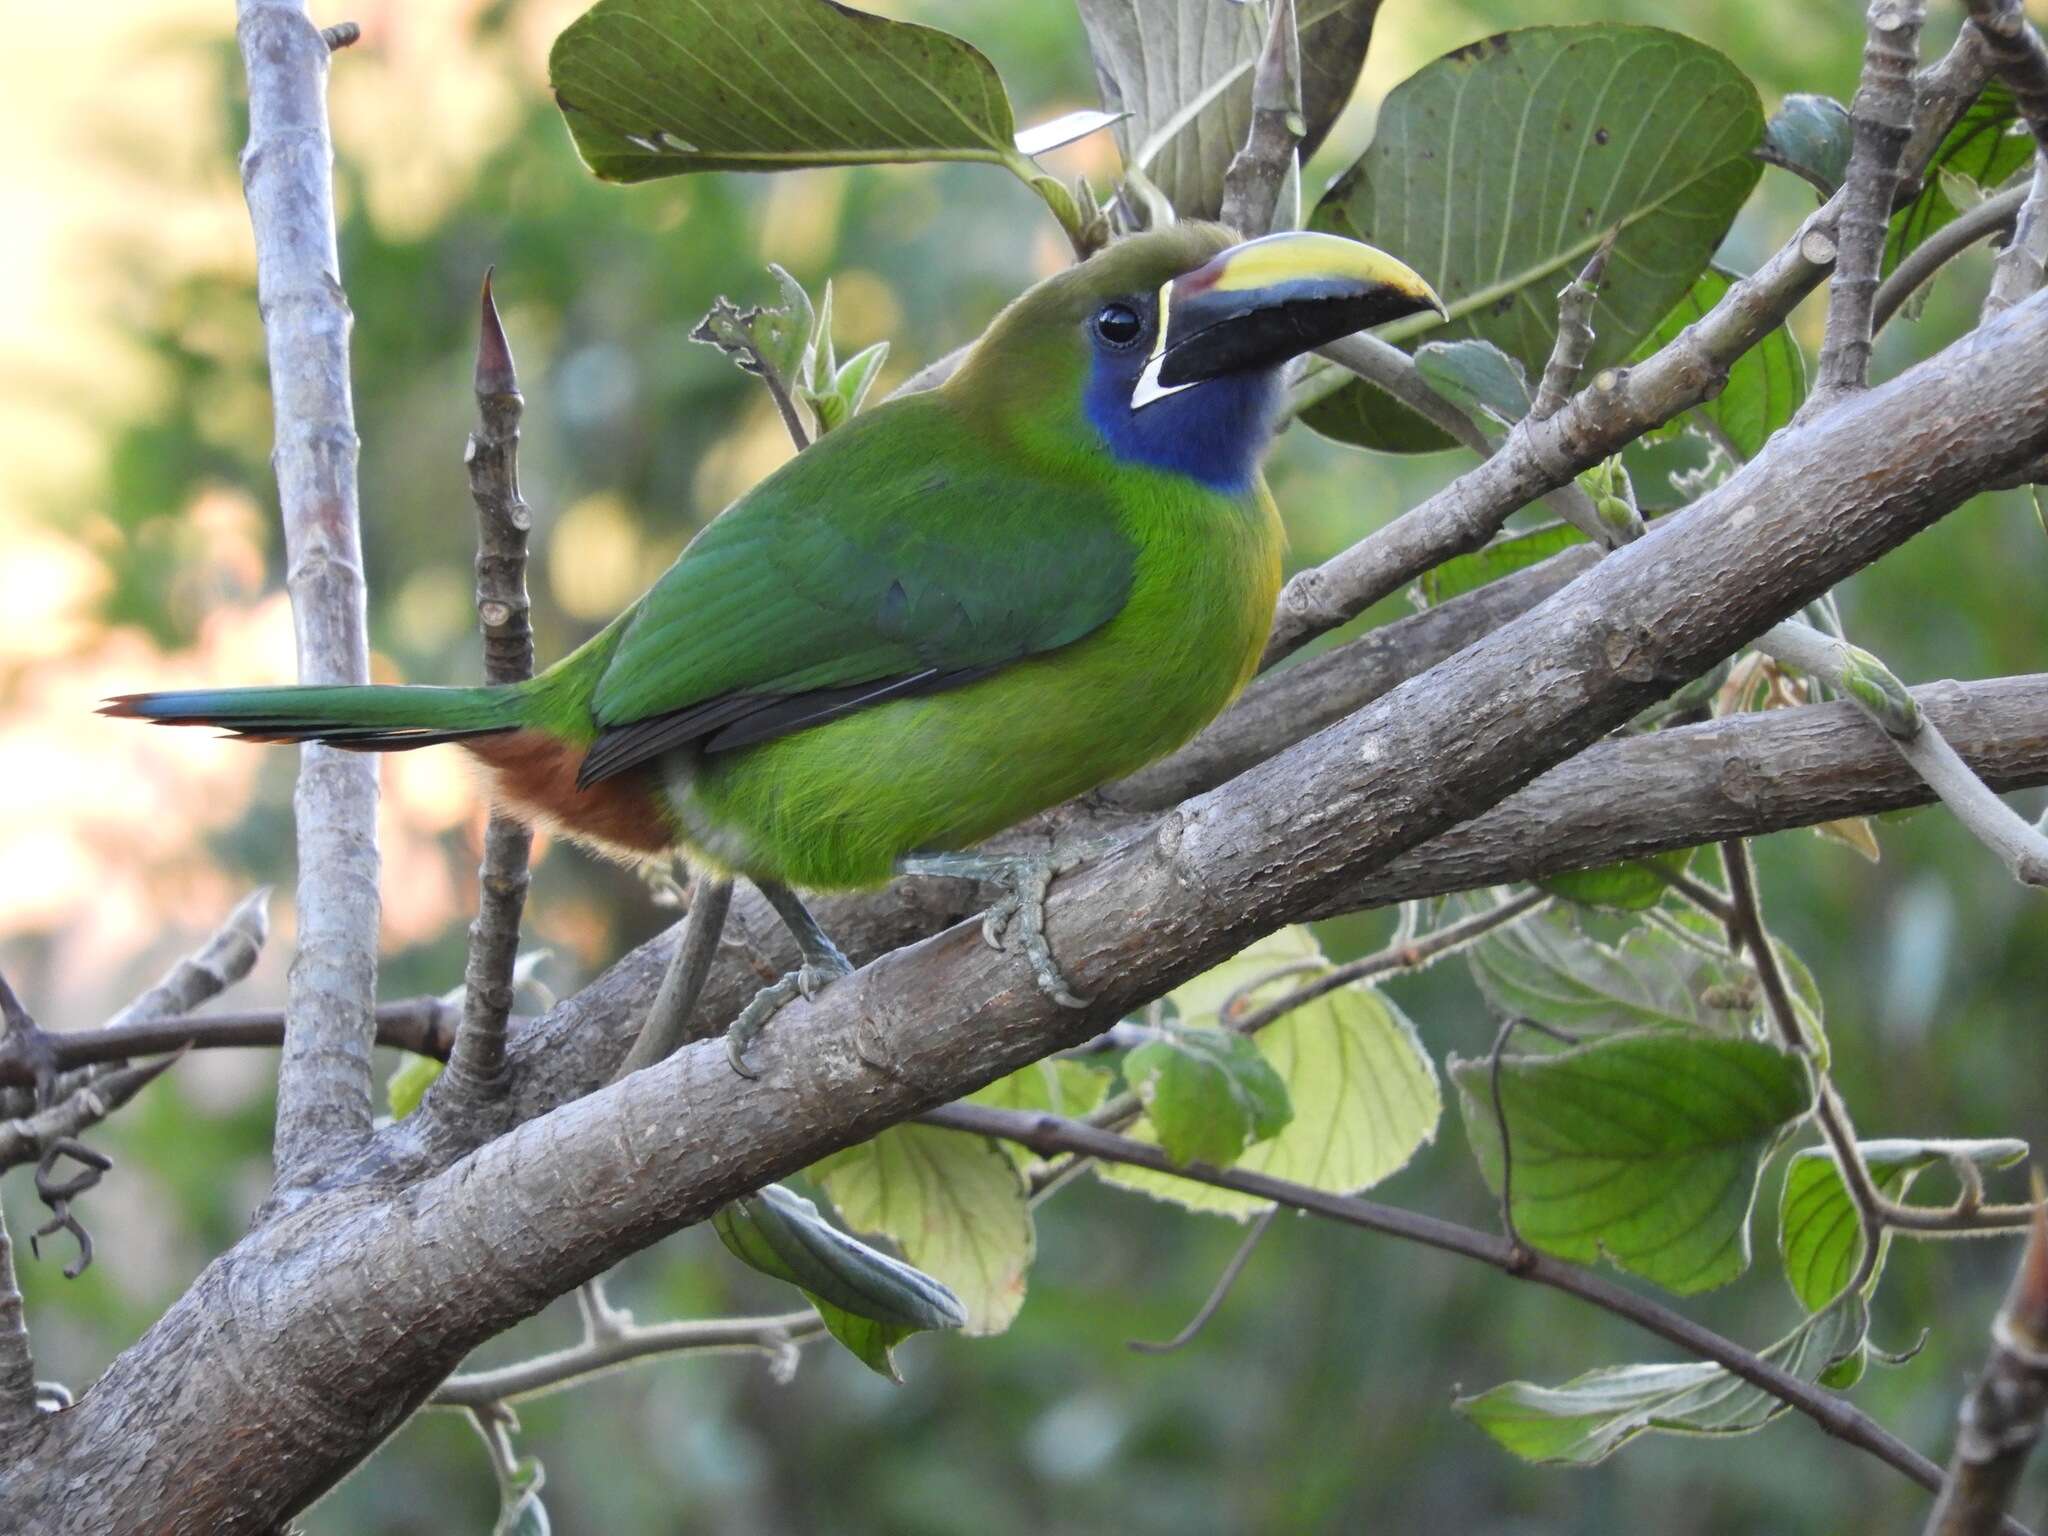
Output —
(661, 87)
(1645, 1147)
(1364, 1091)
(1988, 145)
(1592, 1416)
(1818, 1233)
(954, 1204)
(1183, 69)
(1765, 385)
(1552, 970)
(1497, 170)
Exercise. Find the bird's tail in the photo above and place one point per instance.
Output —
(362, 719)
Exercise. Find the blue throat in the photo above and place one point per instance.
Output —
(1215, 432)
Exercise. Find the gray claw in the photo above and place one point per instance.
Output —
(807, 981)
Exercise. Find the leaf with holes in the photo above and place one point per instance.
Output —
(1643, 1148)
(1364, 1090)
(1592, 1416)
(1765, 387)
(1497, 170)
(1182, 74)
(955, 1205)
(663, 87)
(1988, 145)
(1818, 1233)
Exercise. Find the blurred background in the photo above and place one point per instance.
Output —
(138, 549)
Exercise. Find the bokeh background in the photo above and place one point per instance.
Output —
(138, 548)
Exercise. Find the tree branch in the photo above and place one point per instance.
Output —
(17, 1362)
(1940, 248)
(476, 1068)
(1882, 117)
(1049, 1135)
(2021, 264)
(324, 1087)
(2017, 57)
(1258, 172)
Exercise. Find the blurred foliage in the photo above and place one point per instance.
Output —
(1319, 1397)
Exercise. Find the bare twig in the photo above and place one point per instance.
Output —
(1217, 1293)
(1882, 114)
(778, 1337)
(1574, 335)
(2000, 1419)
(26, 1139)
(2021, 264)
(324, 1085)
(17, 1362)
(2017, 57)
(1049, 1135)
(343, 34)
(1940, 248)
(1861, 677)
(1943, 92)
(1259, 172)
(476, 1069)
(208, 971)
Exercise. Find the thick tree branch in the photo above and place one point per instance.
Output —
(476, 1069)
(324, 1088)
(425, 1274)
(17, 1362)
(1049, 1135)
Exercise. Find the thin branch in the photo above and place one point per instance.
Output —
(2000, 1419)
(597, 1353)
(1574, 342)
(17, 1361)
(324, 1090)
(1882, 117)
(1258, 173)
(1049, 1135)
(1861, 677)
(2017, 57)
(1940, 248)
(1413, 956)
(26, 1139)
(1218, 1293)
(224, 959)
(476, 1069)
(1942, 93)
(2020, 269)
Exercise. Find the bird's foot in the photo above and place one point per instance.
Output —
(1019, 913)
(809, 979)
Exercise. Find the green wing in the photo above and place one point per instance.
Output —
(894, 556)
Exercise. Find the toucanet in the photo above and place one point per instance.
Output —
(961, 607)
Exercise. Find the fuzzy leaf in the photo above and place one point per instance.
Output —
(1818, 1233)
(662, 87)
(1592, 1416)
(1809, 136)
(954, 1204)
(1364, 1090)
(1644, 1148)
(1208, 1094)
(1497, 170)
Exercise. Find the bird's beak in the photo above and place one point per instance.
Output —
(1262, 302)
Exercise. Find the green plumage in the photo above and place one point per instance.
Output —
(1048, 615)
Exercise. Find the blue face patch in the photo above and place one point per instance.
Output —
(1215, 431)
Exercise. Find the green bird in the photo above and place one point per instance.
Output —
(961, 607)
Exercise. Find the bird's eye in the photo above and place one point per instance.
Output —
(1118, 324)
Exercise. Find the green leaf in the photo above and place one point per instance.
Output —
(1818, 1233)
(772, 341)
(1551, 970)
(1592, 1416)
(1476, 376)
(1053, 1087)
(663, 87)
(1644, 1148)
(409, 1082)
(1766, 385)
(1503, 557)
(1208, 1093)
(1811, 137)
(1497, 170)
(1182, 74)
(1364, 1090)
(1988, 145)
(870, 1341)
(1634, 886)
(780, 1233)
(954, 1204)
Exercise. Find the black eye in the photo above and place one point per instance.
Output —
(1118, 324)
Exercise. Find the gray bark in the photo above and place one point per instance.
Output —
(294, 1353)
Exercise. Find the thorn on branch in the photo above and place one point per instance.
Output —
(1574, 334)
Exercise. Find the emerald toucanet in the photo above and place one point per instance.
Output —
(959, 608)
